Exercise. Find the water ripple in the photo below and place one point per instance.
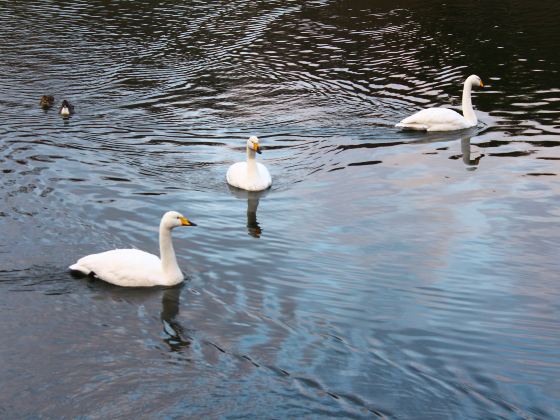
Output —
(383, 272)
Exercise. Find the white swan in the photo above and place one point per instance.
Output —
(443, 119)
(135, 268)
(250, 175)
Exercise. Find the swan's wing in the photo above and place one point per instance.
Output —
(123, 267)
(237, 174)
(265, 180)
(434, 116)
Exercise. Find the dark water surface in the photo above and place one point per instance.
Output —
(385, 274)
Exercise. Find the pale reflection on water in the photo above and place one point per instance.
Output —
(468, 157)
(173, 331)
(253, 198)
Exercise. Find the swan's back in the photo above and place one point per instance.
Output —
(435, 119)
(123, 267)
(238, 176)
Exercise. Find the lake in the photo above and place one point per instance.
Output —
(386, 274)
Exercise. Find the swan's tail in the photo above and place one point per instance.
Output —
(80, 268)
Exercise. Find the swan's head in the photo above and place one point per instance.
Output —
(475, 81)
(253, 144)
(173, 219)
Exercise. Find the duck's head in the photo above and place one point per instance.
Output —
(46, 101)
(253, 144)
(475, 81)
(173, 219)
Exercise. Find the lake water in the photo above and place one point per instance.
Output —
(385, 274)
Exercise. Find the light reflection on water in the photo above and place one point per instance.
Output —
(385, 273)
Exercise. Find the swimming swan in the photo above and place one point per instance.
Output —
(135, 268)
(250, 175)
(443, 119)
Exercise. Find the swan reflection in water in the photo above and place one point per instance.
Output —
(253, 197)
(467, 156)
(172, 330)
(465, 137)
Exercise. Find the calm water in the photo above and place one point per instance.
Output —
(385, 274)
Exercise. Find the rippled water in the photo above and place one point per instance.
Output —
(385, 274)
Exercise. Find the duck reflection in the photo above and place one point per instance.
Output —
(253, 198)
(172, 329)
(467, 156)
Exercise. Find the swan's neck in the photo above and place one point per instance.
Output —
(169, 264)
(251, 163)
(468, 111)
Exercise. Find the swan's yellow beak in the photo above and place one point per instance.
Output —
(186, 222)
(481, 84)
(257, 148)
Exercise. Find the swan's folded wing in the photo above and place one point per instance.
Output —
(124, 267)
(265, 180)
(236, 174)
(433, 116)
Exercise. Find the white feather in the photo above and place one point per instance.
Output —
(135, 268)
(443, 119)
(250, 175)
(435, 119)
(123, 267)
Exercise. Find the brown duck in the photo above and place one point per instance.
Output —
(46, 101)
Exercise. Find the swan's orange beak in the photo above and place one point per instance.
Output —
(481, 84)
(257, 148)
(186, 222)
